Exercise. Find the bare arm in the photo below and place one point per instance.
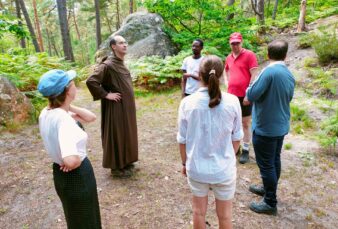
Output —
(235, 145)
(82, 114)
(253, 73)
(183, 158)
(194, 77)
(184, 82)
(70, 163)
(226, 78)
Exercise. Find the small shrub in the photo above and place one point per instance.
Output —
(328, 136)
(325, 44)
(298, 114)
(310, 62)
(300, 120)
(324, 83)
(298, 129)
(305, 41)
(287, 146)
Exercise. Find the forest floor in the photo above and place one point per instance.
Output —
(157, 196)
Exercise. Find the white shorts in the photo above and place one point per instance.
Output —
(222, 191)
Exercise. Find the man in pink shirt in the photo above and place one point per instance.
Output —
(241, 68)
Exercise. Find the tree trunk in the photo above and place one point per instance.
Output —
(260, 10)
(75, 24)
(49, 43)
(301, 21)
(29, 25)
(230, 3)
(18, 14)
(98, 24)
(131, 6)
(117, 14)
(52, 41)
(37, 26)
(67, 45)
(108, 23)
(275, 10)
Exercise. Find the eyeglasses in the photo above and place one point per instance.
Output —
(235, 43)
(122, 43)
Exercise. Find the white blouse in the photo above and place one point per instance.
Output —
(61, 135)
(208, 134)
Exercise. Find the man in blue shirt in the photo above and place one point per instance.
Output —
(271, 94)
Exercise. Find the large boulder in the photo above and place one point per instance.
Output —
(145, 37)
(15, 108)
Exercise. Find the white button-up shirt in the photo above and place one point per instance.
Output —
(208, 134)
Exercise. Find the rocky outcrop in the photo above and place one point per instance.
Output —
(15, 108)
(145, 37)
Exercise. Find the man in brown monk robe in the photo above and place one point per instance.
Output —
(112, 84)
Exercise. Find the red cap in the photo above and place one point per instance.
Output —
(235, 37)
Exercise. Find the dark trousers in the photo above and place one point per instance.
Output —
(78, 193)
(267, 151)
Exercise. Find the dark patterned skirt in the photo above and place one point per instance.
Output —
(78, 193)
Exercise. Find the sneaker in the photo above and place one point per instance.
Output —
(130, 167)
(257, 189)
(263, 208)
(244, 157)
(121, 173)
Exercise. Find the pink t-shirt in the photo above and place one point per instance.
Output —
(239, 71)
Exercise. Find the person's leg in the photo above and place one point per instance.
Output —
(246, 139)
(224, 213)
(246, 121)
(199, 208)
(277, 159)
(265, 151)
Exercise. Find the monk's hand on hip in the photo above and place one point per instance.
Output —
(114, 96)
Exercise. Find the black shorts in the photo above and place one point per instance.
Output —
(246, 110)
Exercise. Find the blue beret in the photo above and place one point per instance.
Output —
(55, 81)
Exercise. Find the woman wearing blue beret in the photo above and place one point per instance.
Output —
(65, 143)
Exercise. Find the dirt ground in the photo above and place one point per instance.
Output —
(157, 196)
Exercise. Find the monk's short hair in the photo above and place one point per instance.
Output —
(277, 49)
(112, 42)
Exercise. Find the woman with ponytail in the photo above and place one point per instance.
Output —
(209, 134)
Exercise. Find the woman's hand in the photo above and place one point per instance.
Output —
(184, 170)
(82, 114)
(70, 163)
(64, 168)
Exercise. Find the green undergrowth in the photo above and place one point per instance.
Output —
(141, 92)
(328, 133)
(156, 73)
(324, 41)
(290, 14)
(25, 70)
(321, 82)
(300, 120)
(323, 127)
